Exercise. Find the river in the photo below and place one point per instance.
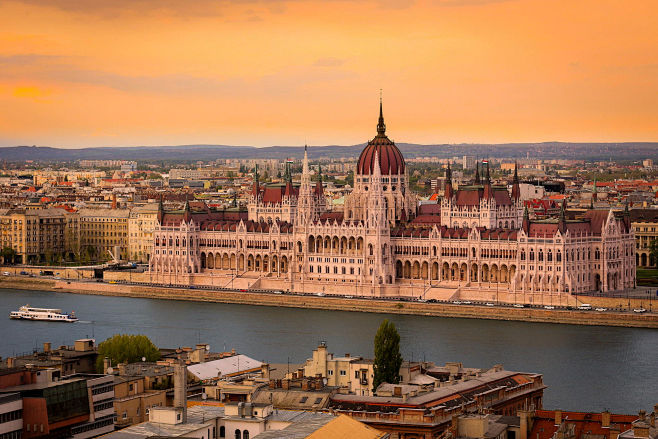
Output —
(586, 368)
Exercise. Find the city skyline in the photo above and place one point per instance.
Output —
(288, 73)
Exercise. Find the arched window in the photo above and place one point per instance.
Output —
(550, 255)
(222, 431)
(532, 254)
(245, 434)
(559, 256)
(523, 255)
(238, 434)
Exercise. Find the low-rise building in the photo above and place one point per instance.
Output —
(645, 225)
(79, 358)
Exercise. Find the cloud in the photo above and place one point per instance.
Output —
(25, 59)
(328, 62)
(33, 67)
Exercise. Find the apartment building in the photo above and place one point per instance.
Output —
(104, 232)
(39, 235)
(141, 223)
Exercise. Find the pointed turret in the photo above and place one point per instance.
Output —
(488, 190)
(381, 126)
(526, 220)
(562, 221)
(516, 189)
(289, 188)
(448, 186)
(187, 212)
(477, 173)
(305, 200)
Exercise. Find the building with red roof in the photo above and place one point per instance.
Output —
(479, 237)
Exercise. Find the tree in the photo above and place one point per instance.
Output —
(126, 348)
(653, 253)
(387, 355)
(8, 255)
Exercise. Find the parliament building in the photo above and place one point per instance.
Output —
(480, 242)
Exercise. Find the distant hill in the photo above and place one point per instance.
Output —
(545, 150)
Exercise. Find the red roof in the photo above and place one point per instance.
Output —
(390, 157)
(586, 424)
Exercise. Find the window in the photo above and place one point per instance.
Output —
(303, 400)
(222, 431)
(317, 400)
(245, 434)
(343, 373)
(238, 435)
(330, 372)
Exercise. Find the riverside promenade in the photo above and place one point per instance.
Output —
(610, 317)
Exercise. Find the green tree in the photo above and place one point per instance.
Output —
(653, 252)
(126, 348)
(387, 355)
(8, 255)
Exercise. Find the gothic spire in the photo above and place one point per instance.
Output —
(477, 172)
(381, 126)
(516, 190)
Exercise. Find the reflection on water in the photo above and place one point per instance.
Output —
(586, 368)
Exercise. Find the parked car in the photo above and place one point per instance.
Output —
(585, 307)
(6, 273)
(639, 310)
(519, 305)
(601, 309)
(489, 304)
(549, 307)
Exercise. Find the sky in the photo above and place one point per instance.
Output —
(80, 73)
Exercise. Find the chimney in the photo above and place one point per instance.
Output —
(523, 428)
(614, 431)
(558, 417)
(305, 385)
(46, 346)
(114, 201)
(347, 355)
(265, 371)
(652, 419)
(397, 391)
(122, 368)
(11, 361)
(106, 364)
(285, 384)
(605, 419)
(318, 384)
(180, 388)
(272, 384)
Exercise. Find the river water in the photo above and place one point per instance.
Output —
(586, 368)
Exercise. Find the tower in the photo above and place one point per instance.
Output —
(378, 230)
(305, 200)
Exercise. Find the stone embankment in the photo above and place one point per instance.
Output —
(576, 317)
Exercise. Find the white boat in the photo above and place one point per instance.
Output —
(27, 312)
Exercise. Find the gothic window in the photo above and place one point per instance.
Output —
(559, 256)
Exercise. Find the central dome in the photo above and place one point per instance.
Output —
(391, 161)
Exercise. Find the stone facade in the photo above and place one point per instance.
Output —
(481, 240)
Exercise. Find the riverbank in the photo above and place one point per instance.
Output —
(574, 317)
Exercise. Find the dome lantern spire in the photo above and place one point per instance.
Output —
(381, 126)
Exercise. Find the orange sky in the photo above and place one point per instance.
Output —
(248, 72)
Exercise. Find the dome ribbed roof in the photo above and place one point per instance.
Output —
(391, 161)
